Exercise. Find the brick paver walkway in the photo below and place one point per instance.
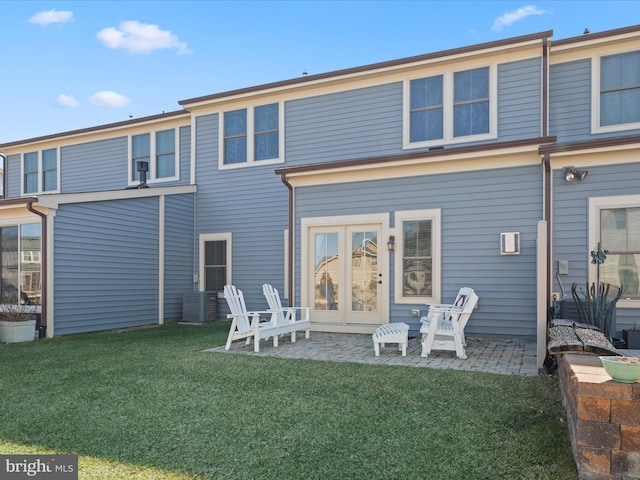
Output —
(493, 355)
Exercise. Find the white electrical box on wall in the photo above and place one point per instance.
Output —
(510, 243)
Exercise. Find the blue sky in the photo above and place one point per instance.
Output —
(70, 65)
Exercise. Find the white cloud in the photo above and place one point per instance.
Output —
(51, 16)
(137, 37)
(109, 99)
(512, 17)
(67, 101)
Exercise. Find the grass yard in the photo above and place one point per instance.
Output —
(149, 404)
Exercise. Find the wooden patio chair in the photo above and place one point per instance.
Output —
(443, 327)
(286, 317)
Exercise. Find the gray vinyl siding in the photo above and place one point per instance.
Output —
(185, 156)
(252, 204)
(179, 264)
(94, 166)
(13, 174)
(353, 124)
(519, 99)
(475, 208)
(367, 122)
(106, 265)
(570, 100)
(571, 223)
(570, 103)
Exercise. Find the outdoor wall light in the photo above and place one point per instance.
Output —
(572, 173)
(391, 244)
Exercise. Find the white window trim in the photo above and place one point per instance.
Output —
(40, 172)
(596, 62)
(595, 205)
(152, 173)
(215, 237)
(251, 161)
(436, 254)
(447, 104)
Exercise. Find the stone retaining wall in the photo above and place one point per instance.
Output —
(603, 418)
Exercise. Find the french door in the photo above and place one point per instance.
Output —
(347, 278)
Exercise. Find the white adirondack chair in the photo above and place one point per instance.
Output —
(286, 317)
(245, 324)
(443, 327)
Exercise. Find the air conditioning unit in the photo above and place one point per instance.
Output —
(199, 307)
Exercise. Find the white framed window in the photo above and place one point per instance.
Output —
(215, 261)
(159, 150)
(450, 107)
(418, 256)
(41, 172)
(616, 92)
(615, 223)
(251, 136)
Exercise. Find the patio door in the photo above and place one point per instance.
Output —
(347, 281)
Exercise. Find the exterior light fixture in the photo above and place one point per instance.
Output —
(391, 244)
(572, 173)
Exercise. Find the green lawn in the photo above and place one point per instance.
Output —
(150, 404)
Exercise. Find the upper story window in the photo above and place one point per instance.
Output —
(617, 98)
(40, 171)
(251, 136)
(158, 149)
(451, 107)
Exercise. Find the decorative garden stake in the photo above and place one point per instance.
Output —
(593, 308)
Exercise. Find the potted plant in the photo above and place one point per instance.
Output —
(595, 308)
(16, 323)
(632, 337)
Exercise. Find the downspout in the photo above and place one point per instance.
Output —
(43, 272)
(547, 166)
(546, 160)
(283, 177)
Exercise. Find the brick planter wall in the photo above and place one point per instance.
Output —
(603, 418)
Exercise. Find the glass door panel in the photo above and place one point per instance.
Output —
(364, 271)
(326, 271)
(364, 276)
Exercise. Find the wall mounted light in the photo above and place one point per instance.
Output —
(572, 173)
(391, 244)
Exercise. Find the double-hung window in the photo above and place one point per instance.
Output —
(471, 102)
(450, 107)
(40, 171)
(618, 92)
(418, 276)
(158, 150)
(251, 136)
(615, 223)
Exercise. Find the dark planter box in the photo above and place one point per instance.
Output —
(632, 339)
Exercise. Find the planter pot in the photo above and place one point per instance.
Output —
(632, 339)
(14, 332)
(621, 369)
